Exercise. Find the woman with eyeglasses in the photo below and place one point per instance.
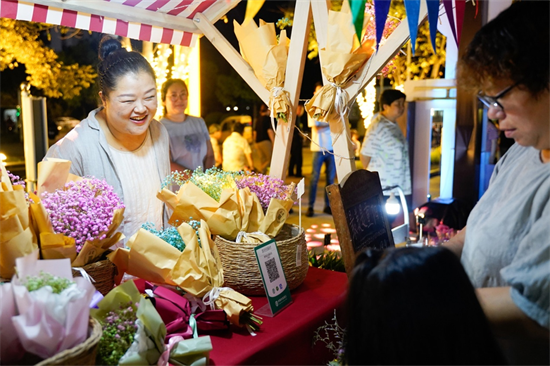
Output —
(120, 141)
(415, 306)
(190, 145)
(505, 247)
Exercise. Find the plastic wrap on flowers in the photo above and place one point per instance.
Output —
(230, 202)
(53, 307)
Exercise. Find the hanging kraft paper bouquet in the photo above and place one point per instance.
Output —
(197, 269)
(342, 57)
(75, 217)
(16, 236)
(230, 202)
(267, 57)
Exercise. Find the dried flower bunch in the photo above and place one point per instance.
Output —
(16, 180)
(82, 210)
(265, 187)
(169, 235)
(213, 181)
(58, 284)
(119, 328)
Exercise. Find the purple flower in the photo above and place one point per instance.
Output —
(82, 210)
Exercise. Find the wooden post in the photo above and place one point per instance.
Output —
(293, 83)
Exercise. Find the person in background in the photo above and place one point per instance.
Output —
(190, 145)
(321, 147)
(215, 135)
(237, 154)
(120, 141)
(264, 138)
(296, 158)
(505, 246)
(415, 306)
(385, 149)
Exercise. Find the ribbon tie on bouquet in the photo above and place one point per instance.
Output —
(279, 99)
(211, 296)
(341, 107)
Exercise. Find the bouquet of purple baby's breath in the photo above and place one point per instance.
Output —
(265, 187)
(83, 210)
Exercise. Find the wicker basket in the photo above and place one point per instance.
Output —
(103, 272)
(240, 268)
(82, 354)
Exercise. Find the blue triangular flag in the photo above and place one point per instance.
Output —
(413, 10)
(448, 4)
(381, 8)
(433, 13)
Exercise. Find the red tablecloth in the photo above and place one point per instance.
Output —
(286, 339)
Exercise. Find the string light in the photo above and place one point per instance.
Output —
(366, 101)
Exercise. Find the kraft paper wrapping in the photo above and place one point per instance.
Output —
(16, 237)
(197, 269)
(238, 210)
(268, 58)
(340, 60)
(53, 174)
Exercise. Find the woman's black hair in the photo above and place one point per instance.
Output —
(166, 85)
(415, 306)
(115, 61)
(514, 46)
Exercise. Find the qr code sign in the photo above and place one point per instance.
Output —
(272, 271)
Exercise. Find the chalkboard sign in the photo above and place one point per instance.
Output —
(358, 209)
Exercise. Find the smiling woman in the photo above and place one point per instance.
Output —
(120, 141)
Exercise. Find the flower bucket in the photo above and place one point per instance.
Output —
(240, 268)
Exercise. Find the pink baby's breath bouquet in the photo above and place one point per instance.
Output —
(86, 212)
(83, 210)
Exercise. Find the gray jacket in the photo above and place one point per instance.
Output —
(87, 148)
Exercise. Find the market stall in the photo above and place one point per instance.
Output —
(157, 266)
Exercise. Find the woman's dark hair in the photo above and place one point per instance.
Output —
(389, 96)
(415, 306)
(115, 61)
(167, 84)
(513, 46)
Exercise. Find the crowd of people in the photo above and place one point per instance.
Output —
(483, 298)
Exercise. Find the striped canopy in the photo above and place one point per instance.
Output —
(159, 21)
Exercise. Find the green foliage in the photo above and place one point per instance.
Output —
(327, 260)
(21, 45)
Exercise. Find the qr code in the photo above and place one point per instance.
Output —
(272, 271)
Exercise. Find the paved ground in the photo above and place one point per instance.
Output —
(320, 224)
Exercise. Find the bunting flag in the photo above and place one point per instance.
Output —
(448, 4)
(54, 13)
(358, 13)
(460, 8)
(413, 10)
(433, 14)
(381, 8)
(252, 8)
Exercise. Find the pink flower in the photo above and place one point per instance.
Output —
(82, 210)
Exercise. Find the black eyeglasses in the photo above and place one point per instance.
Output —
(489, 101)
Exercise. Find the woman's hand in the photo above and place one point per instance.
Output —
(456, 243)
